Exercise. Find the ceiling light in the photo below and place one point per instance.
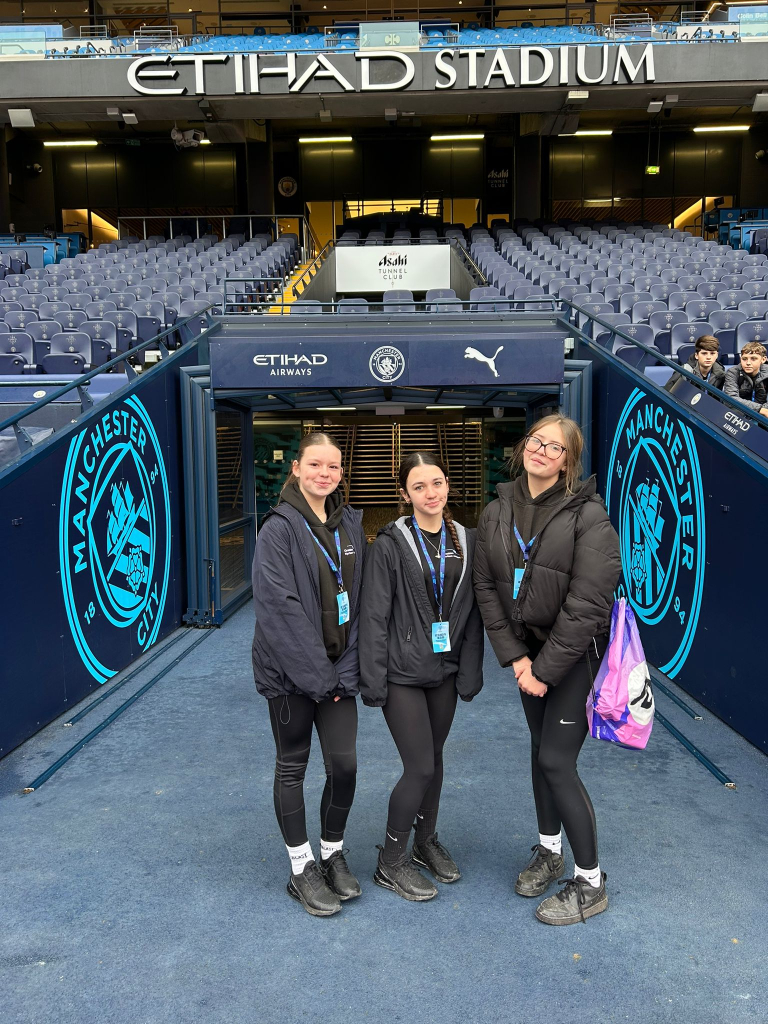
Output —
(592, 131)
(456, 138)
(130, 118)
(577, 96)
(445, 406)
(21, 118)
(205, 142)
(326, 138)
(71, 142)
(654, 107)
(723, 127)
(335, 408)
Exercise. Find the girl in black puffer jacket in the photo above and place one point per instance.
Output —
(546, 565)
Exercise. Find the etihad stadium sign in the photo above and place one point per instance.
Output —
(192, 74)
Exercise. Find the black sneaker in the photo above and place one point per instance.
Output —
(432, 855)
(544, 868)
(311, 890)
(405, 879)
(575, 902)
(338, 876)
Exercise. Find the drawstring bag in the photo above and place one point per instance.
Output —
(620, 706)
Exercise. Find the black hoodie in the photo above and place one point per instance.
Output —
(396, 618)
(566, 594)
(335, 636)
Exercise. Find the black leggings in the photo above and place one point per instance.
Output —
(292, 718)
(419, 720)
(558, 725)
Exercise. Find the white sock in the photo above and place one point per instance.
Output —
(326, 849)
(300, 857)
(553, 843)
(591, 875)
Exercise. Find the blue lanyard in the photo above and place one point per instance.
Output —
(430, 563)
(525, 548)
(336, 570)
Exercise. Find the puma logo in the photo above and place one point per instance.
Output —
(473, 353)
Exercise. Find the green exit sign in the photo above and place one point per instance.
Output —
(653, 169)
(133, 142)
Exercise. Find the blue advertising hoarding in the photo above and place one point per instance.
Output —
(688, 513)
(503, 359)
(92, 537)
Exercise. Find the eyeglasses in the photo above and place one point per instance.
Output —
(552, 449)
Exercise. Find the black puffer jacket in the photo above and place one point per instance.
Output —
(716, 374)
(567, 590)
(288, 651)
(396, 621)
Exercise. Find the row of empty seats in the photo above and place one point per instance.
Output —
(668, 286)
(83, 311)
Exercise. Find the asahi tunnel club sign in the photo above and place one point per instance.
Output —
(192, 74)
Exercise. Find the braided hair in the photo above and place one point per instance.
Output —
(422, 458)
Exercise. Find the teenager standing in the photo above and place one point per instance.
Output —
(546, 566)
(307, 574)
(421, 645)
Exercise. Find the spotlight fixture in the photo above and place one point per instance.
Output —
(130, 118)
(760, 103)
(655, 106)
(577, 96)
(671, 99)
(325, 116)
(113, 113)
(324, 138)
(21, 118)
(723, 128)
(456, 138)
(390, 114)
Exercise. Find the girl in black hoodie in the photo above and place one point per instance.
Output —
(307, 572)
(421, 645)
(546, 567)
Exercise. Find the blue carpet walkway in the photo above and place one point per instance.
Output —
(145, 882)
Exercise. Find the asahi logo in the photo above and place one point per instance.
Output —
(392, 266)
(655, 497)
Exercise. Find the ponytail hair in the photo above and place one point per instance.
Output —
(423, 458)
(316, 437)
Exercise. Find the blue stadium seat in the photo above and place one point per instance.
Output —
(17, 353)
(17, 321)
(351, 306)
(753, 309)
(661, 324)
(751, 330)
(699, 309)
(69, 353)
(305, 307)
(686, 334)
(731, 298)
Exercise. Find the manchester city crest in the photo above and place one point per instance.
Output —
(654, 496)
(115, 537)
(387, 364)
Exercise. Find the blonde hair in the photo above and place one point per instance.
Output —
(574, 445)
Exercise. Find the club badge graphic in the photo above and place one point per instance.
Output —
(655, 498)
(387, 364)
(115, 536)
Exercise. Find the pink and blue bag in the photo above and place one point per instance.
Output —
(620, 706)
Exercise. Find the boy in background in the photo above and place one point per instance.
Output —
(748, 382)
(702, 363)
